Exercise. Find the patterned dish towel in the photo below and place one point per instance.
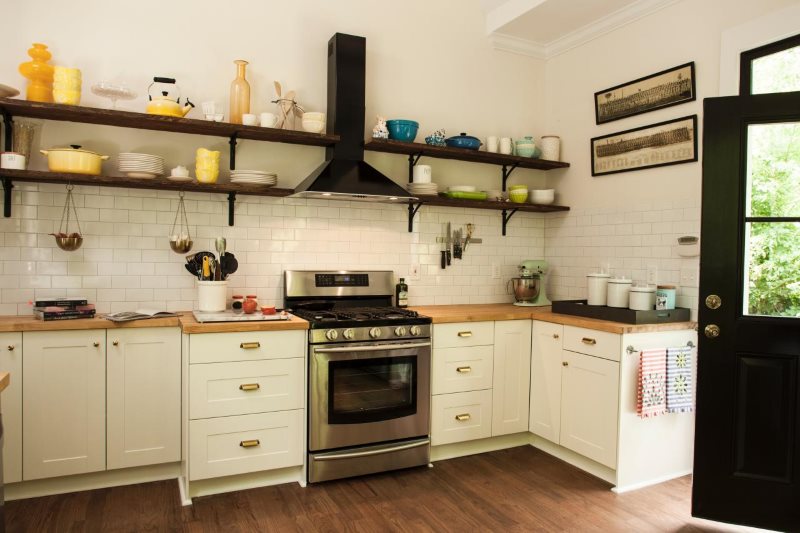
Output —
(679, 380)
(651, 398)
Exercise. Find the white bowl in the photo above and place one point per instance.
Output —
(462, 188)
(313, 126)
(543, 196)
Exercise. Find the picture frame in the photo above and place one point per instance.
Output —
(671, 142)
(667, 88)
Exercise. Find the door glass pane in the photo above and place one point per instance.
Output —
(773, 170)
(363, 390)
(777, 73)
(772, 269)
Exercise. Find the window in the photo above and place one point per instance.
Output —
(773, 68)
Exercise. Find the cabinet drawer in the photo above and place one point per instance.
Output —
(246, 346)
(592, 342)
(463, 334)
(461, 416)
(242, 444)
(461, 369)
(224, 389)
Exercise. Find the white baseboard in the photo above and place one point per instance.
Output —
(568, 456)
(207, 487)
(649, 482)
(460, 449)
(94, 480)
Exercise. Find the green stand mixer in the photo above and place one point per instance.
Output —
(528, 289)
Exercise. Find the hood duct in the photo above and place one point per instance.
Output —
(345, 175)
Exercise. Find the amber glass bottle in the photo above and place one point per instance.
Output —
(240, 94)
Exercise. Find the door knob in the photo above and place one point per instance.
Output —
(711, 331)
(713, 301)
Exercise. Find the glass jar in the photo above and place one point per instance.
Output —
(237, 304)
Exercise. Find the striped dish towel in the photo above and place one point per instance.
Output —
(651, 398)
(679, 380)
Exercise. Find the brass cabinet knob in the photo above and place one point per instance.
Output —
(555, 335)
(115, 343)
(713, 301)
(564, 363)
(712, 331)
(96, 344)
(10, 347)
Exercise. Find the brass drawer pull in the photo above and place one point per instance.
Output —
(10, 347)
(249, 386)
(589, 341)
(465, 334)
(250, 443)
(463, 418)
(250, 345)
(464, 369)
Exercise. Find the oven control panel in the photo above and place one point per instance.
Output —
(341, 280)
(376, 333)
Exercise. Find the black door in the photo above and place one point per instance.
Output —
(747, 452)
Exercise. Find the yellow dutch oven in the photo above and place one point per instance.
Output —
(74, 160)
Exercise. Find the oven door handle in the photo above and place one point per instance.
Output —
(353, 455)
(373, 348)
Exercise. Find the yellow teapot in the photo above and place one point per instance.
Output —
(164, 103)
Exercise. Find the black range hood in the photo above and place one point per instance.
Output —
(345, 175)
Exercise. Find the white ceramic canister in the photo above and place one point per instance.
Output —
(422, 174)
(551, 147)
(597, 288)
(619, 292)
(212, 296)
(642, 298)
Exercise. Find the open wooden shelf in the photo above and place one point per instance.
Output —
(129, 119)
(490, 204)
(460, 154)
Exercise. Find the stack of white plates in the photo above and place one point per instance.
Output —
(425, 189)
(254, 177)
(144, 166)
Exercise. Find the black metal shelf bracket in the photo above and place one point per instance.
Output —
(507, 172)
(506, 217)
(7, 186)
(412, 211)
(232, 142)
(231, 206)
(413, 159)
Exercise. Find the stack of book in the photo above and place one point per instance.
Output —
(63, 309)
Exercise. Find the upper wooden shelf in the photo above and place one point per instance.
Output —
(442, 200)
(129, 119)
(460, 154)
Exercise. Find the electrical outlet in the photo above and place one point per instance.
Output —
(690, 277)
(495, 271)
(652, 274)
(413, 272)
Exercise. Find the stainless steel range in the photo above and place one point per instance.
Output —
(368, 376)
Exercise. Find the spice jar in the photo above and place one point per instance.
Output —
(250, 304)
(236, 304)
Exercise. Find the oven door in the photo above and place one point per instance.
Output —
(365, 393)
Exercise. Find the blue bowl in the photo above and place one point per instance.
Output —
(402, 130)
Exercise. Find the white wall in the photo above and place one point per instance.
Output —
(668, 197)
(428, 61)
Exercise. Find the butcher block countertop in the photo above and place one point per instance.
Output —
(5, 379)
(443, 314)
(186, 322)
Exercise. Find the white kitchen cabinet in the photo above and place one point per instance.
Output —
(589, 402)
(11, 362)
(144, 396)
(64, 398)
(546, 359)
(461, 369)
(512, 374)
(461, 416)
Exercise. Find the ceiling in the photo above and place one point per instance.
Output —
(545, 28)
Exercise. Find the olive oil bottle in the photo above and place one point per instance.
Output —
(401, 293)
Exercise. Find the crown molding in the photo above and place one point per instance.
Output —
(518, 45)
(598, 28)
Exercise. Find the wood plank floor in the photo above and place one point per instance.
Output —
(520, 489)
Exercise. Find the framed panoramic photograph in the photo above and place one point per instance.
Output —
(666, 143)
(663, 89)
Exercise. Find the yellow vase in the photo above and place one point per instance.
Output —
(39, 74)
(240, 94)
(206, 165)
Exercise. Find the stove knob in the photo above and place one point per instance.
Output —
(375, 333)
(400, 331)
(331, 335)
(349, 333)
(415, 330)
